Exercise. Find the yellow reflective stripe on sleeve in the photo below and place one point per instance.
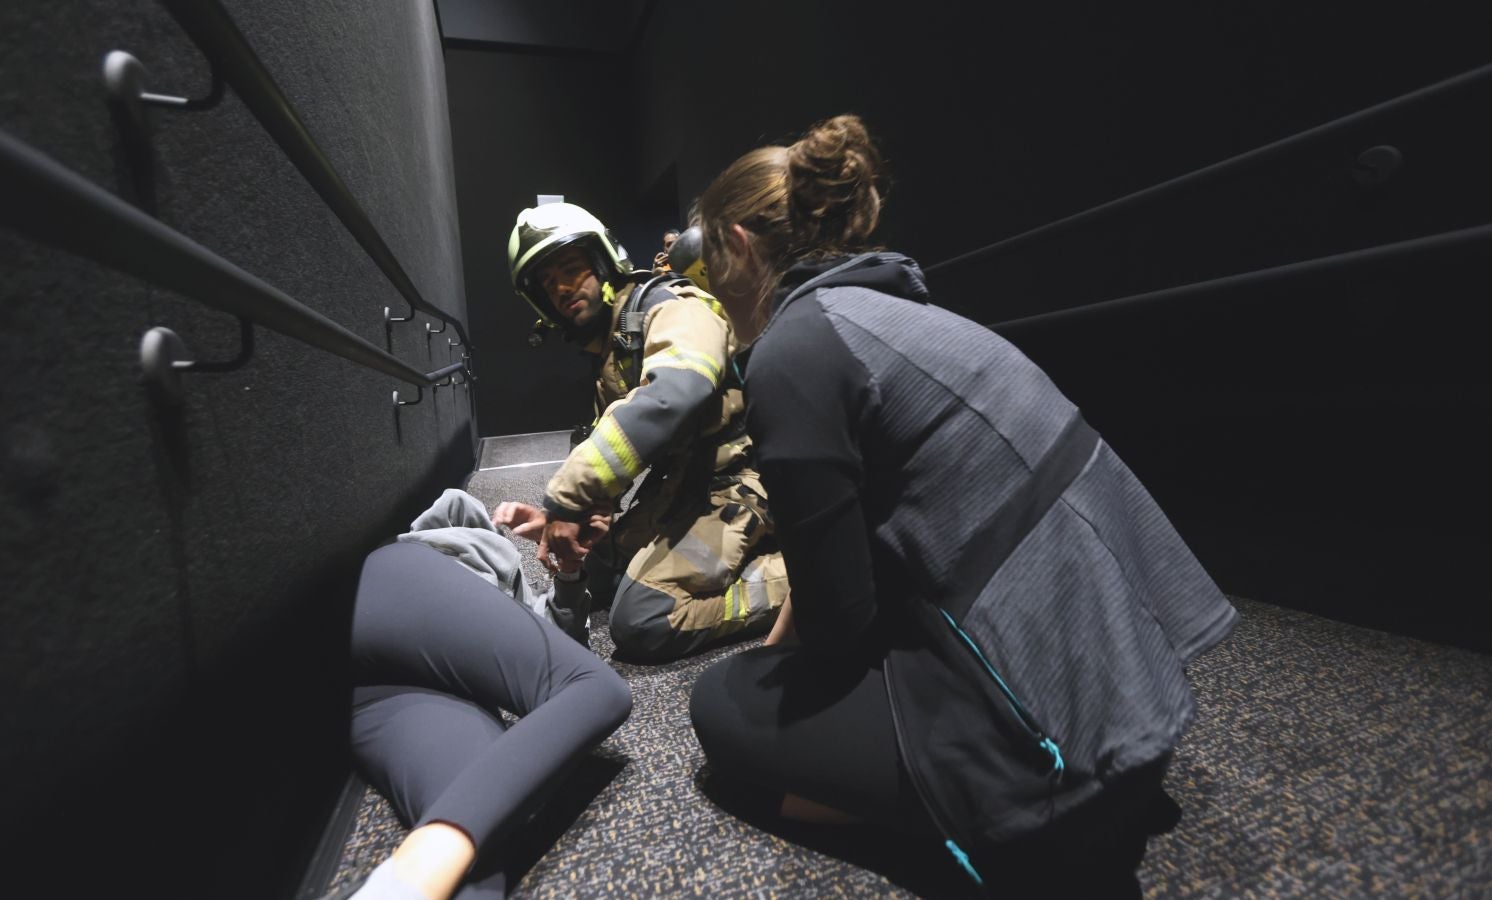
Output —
(594, 458)
(617, 440)
(713, 304)
(674, 358)
(684, 356)
(708, 361)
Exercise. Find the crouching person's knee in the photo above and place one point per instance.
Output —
(640, 625)
(708, 708)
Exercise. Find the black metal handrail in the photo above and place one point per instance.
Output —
(49, 203)
(1208, 173)
(1258, 278)
(213, 31)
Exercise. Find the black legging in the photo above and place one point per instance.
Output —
(437, 651)
(779, 718)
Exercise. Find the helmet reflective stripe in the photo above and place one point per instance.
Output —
(542, 227)
(541, 230)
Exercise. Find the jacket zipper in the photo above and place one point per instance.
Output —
(1027, 722)
(927, 804)
(1022, 715)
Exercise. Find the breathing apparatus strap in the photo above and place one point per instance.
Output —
(628, 335)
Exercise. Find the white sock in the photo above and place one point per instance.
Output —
(385, 884)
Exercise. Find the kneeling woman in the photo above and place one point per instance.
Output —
(438, 651)
(992, 615)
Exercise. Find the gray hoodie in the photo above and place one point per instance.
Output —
(460, 526)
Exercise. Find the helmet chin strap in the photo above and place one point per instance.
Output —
(600, 323)
(608, 285)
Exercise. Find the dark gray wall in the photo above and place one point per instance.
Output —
(524, 125)
(592, 25)
(1313, 436)
(997, 118)
(172, 634)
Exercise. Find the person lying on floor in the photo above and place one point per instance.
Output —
(445, 636)
(994, 615)
(458, 525)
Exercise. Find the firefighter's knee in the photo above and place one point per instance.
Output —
(640, 625)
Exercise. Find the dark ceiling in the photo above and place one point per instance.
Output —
(564, 27)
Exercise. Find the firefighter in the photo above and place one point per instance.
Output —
(694, 558)
(660, 261)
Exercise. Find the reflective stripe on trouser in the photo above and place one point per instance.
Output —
(700, 581)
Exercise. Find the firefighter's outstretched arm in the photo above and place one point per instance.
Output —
(684, 360)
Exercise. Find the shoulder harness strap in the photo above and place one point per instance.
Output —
(628, 336)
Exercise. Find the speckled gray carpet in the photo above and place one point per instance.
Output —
(1326, 761)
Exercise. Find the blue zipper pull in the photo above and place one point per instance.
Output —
(1058, 766)
(1043, 742)
(963, 860)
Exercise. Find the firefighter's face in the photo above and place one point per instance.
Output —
(571, 285)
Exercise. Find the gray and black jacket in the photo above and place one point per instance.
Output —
(942, 506)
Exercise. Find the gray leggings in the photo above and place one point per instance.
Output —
(436, 653)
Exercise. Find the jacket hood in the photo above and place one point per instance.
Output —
(884, 272)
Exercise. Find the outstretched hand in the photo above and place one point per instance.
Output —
(526, 520)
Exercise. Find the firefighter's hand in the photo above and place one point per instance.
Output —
(569, 542)
(526, 520)
(596, 528)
